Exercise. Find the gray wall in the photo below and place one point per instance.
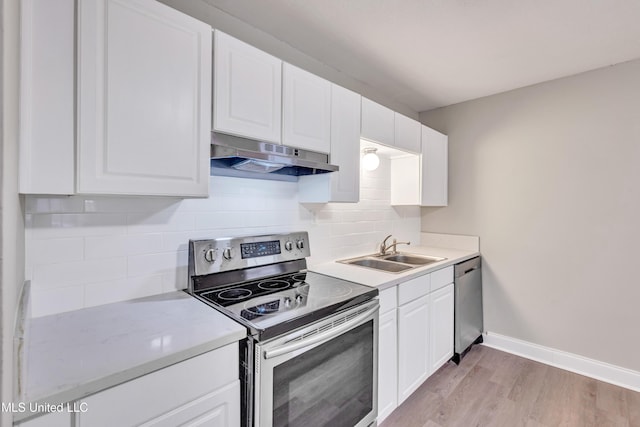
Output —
(231, 25)
(11, 215)
(549, 177)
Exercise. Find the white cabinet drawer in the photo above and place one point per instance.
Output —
(388, 299)
(441, 278)
(150, 396)
(53, 419)
(220, 408)
(414, 288)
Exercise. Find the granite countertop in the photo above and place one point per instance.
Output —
(382, 279)
(74, 354)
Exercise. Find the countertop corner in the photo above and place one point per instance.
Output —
(74, 354)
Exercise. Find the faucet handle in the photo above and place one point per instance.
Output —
(383, 245)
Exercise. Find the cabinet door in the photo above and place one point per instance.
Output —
(387, 364)
(407, 133)
(53, 419)
(344, 185)
(434, 168)
(247, 95)
(47, 105)
(306, 110)
(413, 346)
(441, 327)
(144, 99)
(218, 409)
(199, 387)
(377, 123)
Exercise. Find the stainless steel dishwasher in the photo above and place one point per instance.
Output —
(468, 306)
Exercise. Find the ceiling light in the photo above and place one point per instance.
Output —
(370, 160)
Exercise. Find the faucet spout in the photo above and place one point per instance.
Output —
(395, 244)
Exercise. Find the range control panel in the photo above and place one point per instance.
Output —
(233, 253)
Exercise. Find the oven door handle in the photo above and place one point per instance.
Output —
(324, 336)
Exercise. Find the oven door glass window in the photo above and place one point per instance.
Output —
(330, 385)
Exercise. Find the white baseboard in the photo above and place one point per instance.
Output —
(560, 359)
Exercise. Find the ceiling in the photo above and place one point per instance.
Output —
(432, 53)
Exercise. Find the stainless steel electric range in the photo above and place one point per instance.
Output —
(310, 358)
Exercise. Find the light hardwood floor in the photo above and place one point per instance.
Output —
(493, 388)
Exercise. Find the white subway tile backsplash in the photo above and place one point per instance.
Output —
(123, 289)
(78, 272)
(122, 244)
(52, 251)
(162, 263)
(215, 220)
(50, 226)
(83, 251)
(162, 221)
(46, 301)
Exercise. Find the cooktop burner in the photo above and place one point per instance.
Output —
(237, 294)
(250, 290)
(274, 285)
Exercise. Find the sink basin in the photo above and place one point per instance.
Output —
(413, 259)
(392, 263)
(377, 264)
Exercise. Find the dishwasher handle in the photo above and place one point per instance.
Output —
(467, 267)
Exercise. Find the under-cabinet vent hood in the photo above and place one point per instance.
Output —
(241, 157)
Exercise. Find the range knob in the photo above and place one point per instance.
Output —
(298, 299)
(287, 302)
(288, 246)
(210, 255)
(227, 253)
(300, 244)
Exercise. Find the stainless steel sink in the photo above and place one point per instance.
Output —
(392, 267)
(392, 263)
(412, 259)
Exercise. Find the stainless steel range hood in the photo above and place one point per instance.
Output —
(246, 158)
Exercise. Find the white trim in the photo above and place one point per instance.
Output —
(602, 371)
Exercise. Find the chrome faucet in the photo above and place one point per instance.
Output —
(384, 248)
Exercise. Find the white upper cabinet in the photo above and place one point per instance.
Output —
(247, 90)
(434, 168)
(306, 110)
(144, 85)
(407, 133)
(47, 116)
(344, 185)
(377, 123)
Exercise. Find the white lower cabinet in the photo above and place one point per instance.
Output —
(201, 391)
(415, 335)
(441, 337)
(53, 419)
(413, 346)
(387, 354)
(204, 390)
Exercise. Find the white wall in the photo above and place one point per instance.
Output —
(549, 177)
(86, 251)
(11, 217)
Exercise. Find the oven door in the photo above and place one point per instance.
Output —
(325, 374)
